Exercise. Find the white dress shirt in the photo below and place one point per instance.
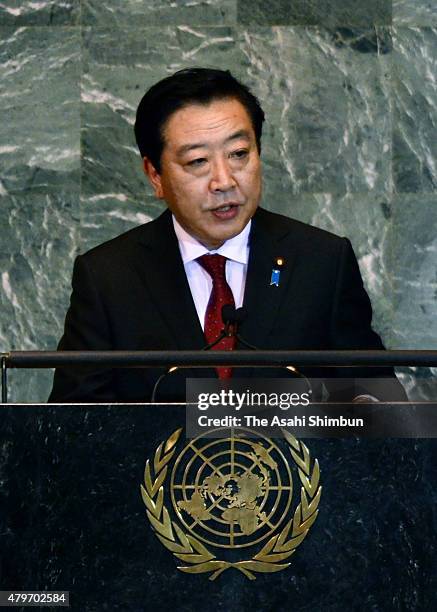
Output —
(236, 250)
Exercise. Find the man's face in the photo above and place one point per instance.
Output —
(210, 170)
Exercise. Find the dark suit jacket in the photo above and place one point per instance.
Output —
(131, 293)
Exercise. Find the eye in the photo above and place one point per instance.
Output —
(240, 154)
(194, 163)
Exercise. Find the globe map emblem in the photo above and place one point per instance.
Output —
(231, 492)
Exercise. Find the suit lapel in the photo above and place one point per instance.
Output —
(161, 267)
(268, 241)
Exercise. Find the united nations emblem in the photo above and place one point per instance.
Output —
(229, 501)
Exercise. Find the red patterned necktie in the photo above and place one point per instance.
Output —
(221, 294)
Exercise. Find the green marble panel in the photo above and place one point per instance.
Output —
(413, 270)
(39, 190)
(39, 102)
(327, 99)
(43, 12)
(315, 12)
(119, 66)
(415, 12)
(144, 13)
(37, 248)
(415, 105)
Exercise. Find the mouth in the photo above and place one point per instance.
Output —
(226, 211)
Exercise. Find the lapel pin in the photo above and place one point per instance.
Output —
(276, 272)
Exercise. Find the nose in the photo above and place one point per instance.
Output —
(221, 176)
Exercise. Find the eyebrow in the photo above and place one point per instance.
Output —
(198, 145)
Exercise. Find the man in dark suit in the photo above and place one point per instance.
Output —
(199, 134)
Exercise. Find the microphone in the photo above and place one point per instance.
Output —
(232, 315)
(228, 317)
(232, 318)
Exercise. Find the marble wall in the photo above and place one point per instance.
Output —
(349, 89)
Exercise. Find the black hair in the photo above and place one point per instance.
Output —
(188, 86)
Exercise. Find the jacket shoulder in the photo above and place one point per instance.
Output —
(301, 232)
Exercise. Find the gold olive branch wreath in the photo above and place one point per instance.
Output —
(190, 550)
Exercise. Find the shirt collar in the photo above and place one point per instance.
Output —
(235, 249)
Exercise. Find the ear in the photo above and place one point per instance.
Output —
(154, 177)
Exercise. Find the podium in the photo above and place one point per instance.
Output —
(73, 519)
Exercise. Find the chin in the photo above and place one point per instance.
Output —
(219, 238)
(229, 234)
